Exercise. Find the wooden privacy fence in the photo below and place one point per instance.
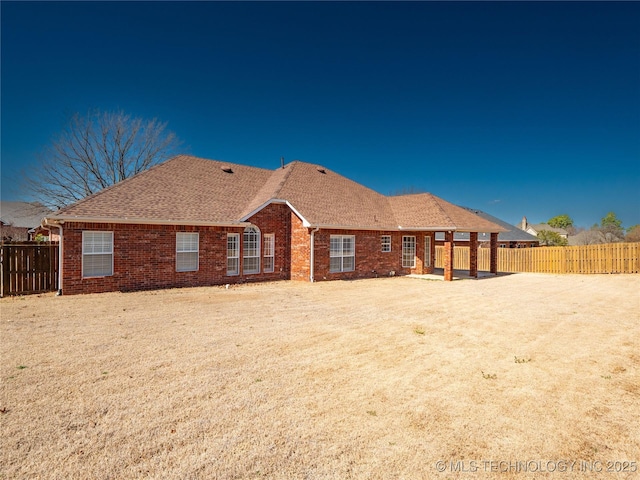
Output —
(604, 258)
(29, 268)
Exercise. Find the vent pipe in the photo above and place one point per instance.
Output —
(281, 162)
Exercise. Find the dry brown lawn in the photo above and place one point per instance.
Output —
(379, 378)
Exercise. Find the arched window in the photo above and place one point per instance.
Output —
(251, 250)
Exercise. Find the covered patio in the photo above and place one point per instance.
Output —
(448, 257)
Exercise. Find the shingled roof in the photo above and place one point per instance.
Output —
(190, 190)
(509, 234)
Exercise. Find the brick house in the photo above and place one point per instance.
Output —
(195, 222)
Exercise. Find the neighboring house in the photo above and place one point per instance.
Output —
(191, 221)
(593, 237)
(534, 229)
(512, 237)
(20, 221)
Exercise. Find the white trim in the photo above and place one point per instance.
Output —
(277, 201)
(243, 223)
(272, 241)
(111, 252)
(383, 243)
(255, 231)
(415, 246)
(236, 236)
(196, 251)
(342, 255)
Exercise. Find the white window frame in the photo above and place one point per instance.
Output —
(91, 248)
(268, 252)
(386, 243)
(233, 254)
(251, 250)
(409, 251)
(185, 250)
(342, 253)
(427, 251)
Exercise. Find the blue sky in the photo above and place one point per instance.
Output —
(512, 108)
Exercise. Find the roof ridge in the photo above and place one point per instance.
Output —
(286, 176)
(437, 201)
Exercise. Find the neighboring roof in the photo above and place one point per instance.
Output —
(22, 214)
(593, 237)
(192, 190)
(512, 233)
(538, 227)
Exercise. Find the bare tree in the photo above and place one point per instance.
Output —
(96, 151)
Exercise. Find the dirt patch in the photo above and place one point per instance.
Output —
(379, 378)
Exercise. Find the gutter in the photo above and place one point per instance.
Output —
(47, 226)
(144, 221)
(311, 269)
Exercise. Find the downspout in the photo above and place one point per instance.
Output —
(311, 279)
(46, 226)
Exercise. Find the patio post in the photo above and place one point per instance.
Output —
(494, 253)
(473, 254)
(448, 256)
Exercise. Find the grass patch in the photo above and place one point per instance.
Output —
(522, 359)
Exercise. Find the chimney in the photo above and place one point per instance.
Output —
(281, 162)
(524, 223)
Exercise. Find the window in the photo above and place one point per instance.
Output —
(427, 251)
(409, 252)
(386, 243)
(97, 254)
(187, 252)
(233, 253)
(342, 253)
(269, 241)
(251, 250)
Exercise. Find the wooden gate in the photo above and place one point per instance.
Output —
(29, 268)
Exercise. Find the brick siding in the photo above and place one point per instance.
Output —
(370, 260)
(145, 255)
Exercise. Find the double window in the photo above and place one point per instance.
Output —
(187, 247)
(342, 252)
(408, 252)
(97, 254)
